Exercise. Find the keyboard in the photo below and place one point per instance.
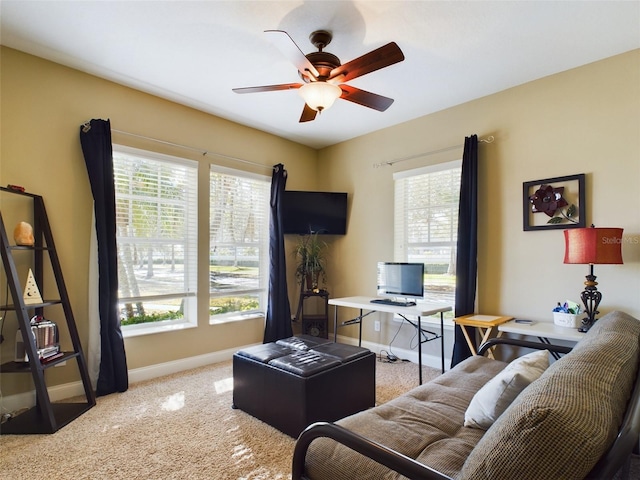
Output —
(395, 303)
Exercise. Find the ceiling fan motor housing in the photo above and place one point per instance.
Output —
(324, 62)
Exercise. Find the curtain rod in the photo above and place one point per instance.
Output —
(202, 151)
(489, 139)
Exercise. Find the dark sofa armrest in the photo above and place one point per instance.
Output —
(396, 461)
(627, 441)
(521, 343)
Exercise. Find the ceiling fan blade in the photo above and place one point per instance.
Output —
(292, 52)
(268, 88)
(366, 99)
(369, 62)
(308, 114)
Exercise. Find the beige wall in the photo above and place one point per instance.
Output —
(585, 120)
(43, 106)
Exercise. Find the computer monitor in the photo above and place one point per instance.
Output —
(401, 280)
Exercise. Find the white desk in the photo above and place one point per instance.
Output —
(544, 331)
(420, 310)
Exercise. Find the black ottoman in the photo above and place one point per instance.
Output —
(295, 382)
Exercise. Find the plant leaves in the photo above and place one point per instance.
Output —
(555, 220)
(571, 211)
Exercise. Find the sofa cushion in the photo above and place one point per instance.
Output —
(265, 352)
(426, 424)
(342, 351)
(305, 363)
(494, 398)
(563, 422)
(302, 342)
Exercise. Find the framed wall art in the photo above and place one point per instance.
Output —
(554, 203)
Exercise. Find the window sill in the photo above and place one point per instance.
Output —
(139, 330)
(235, 318)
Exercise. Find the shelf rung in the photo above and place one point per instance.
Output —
(46, 303)
(23, 367)
(29, 248)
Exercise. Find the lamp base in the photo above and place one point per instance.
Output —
(587, 323)
(591, 298)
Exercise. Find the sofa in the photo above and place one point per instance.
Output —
(580, 418)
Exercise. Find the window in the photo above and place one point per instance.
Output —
(156, 235)
(426, 224)
(238, 243)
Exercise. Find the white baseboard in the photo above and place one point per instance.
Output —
(428, 360)
(13, 403)
(19, 401)
(175, 366)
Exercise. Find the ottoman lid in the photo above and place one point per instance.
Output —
(265, 352)
(305, 364)
(302, 342)
(341, 351)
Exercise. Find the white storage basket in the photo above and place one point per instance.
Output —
(567, 319)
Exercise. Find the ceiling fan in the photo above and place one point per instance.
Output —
(324, 76)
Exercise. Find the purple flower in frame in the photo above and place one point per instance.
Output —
(547, 199)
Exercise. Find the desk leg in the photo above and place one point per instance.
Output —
(419, 352)
(335, 324)
(442, 339)
(555, 355)
(420, 345)
(360, 327)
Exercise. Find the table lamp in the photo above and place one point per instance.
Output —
(592, 246)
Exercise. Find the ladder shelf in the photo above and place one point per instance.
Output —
(45, 416)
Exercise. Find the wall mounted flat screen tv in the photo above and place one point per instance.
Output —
(324, 213)
(401, 280)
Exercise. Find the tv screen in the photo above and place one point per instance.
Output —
(401, 279)
(324, 213)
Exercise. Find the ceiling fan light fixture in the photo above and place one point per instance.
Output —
(320, 95)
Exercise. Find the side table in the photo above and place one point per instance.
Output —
(316, 324)
(485, 325)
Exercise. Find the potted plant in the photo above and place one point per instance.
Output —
(310, 253)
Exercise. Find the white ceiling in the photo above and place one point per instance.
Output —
(195, 52)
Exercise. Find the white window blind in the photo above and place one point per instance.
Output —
(426, 224)
(156, 232)
(238, 242)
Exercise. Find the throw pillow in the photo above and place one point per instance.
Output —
(498, 393)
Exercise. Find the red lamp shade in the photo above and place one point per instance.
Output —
(593, 245)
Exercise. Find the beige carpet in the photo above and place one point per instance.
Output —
(178, 427)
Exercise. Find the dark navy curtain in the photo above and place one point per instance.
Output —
(467, 252)
(95, 138)
(278, 322)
